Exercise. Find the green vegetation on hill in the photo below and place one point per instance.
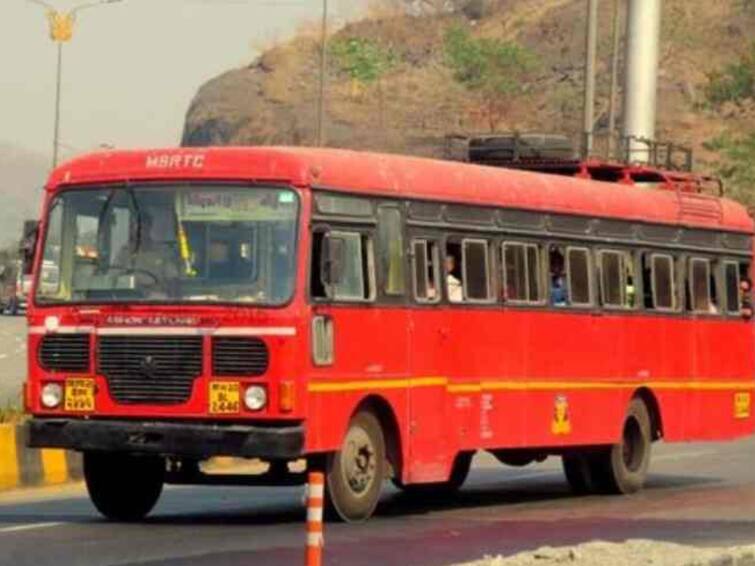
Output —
(735, 82)
(492, 68)
(737, 165)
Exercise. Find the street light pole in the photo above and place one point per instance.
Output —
(61, 31)
(323, 72)
(56, 132)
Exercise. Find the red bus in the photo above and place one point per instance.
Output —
(380, 316)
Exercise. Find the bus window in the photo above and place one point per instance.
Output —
(699, 286)
(557, 275)
(357, 270)
(391, 246)
(452, 264)
(733, 304)
(476, 270)
(426, 264)
(663, 285)
(617, 279)
(578, 275)
(521, 273)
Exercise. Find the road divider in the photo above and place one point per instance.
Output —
(28, 467)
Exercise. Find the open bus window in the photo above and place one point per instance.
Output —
(426, 264)
(617, 279)
(700, 286)
(452, 263)
(391, 249)
(521, 273)
(557, 275)
(578, 271)
(663, 282)
(353, 277)
(476, 272)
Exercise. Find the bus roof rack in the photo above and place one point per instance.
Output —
(635, 160)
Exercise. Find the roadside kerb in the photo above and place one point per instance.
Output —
(29, 467)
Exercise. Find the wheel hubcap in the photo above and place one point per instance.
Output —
(358, 461)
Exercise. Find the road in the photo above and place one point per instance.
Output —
(701, 494)
(12, 359)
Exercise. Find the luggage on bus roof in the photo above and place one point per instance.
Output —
(500, 149)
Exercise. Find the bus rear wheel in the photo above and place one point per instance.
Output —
(618, 469)
(355, 474)
(123, 487)
(623, 468)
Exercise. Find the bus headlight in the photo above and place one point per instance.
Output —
(52, 395)
(255, 398)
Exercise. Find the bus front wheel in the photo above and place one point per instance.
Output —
(123, 487)
(355, 473)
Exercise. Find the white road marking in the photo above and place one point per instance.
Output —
(30, 527)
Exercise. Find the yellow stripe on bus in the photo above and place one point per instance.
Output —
(407, 383)
(516, 385)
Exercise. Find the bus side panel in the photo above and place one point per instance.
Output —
(370, 358)
(723, 350)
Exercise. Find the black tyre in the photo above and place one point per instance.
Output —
(459, 472)
(623, 467)
(355, 473)
(123, 487)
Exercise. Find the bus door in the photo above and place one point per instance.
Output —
(431, 444)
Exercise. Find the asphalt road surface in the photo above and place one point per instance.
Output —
(12, 359)
(701, 494)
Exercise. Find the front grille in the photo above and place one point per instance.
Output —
(64, 352)
(150, 369)
(239, 357)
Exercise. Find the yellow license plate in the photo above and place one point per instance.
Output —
(79, 395)
(225, 398)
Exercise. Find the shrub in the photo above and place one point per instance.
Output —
(492, 68)
(735, 83)
(737, 165)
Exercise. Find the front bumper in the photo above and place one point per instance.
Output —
(168, 438)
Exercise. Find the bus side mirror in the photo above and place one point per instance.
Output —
(331, 265)
(28, 246)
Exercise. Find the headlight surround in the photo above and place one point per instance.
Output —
(255, 397)
(51, 395)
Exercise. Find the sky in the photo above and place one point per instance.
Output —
(132, 68)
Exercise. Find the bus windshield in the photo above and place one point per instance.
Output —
(167, 244)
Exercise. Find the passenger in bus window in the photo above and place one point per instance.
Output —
(745, 288)
(453, 283)
(558, 278)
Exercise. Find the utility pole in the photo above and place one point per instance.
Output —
(641, 82)
(323, 72)
(590, 49)
(614, 79)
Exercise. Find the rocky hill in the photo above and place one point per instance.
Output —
(417, 102)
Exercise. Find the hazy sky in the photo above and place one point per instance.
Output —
(132, 68)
